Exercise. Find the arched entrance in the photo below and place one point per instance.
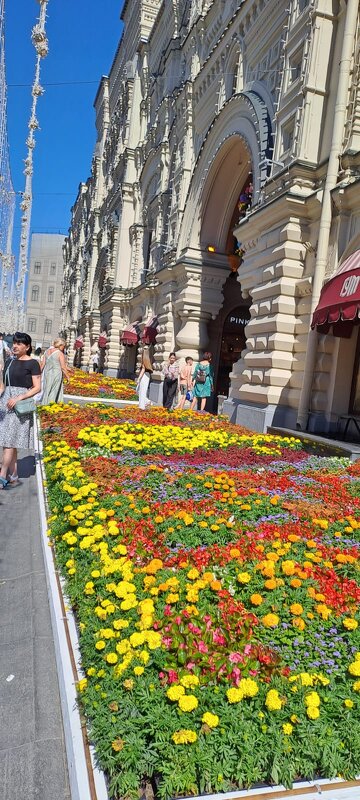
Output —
(233, 342)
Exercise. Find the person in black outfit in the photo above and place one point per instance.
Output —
(170, 372)
(20, 380)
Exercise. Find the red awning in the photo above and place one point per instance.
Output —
(130, 335)
(340, 299)
(148, 335)
(79, 343)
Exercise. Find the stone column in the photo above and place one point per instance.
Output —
(198, 300)
(265, 386)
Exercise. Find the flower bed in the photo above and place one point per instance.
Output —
(84, 384)
(215, 578)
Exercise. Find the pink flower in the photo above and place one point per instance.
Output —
(218, 637)
(190, 665)
(173, 676)
(178, 620)
(167, 611)
(202, 647)
(236, 658)
(253, 672)
(194, 629)
(167, 641)
(247, 649)
(236, 674)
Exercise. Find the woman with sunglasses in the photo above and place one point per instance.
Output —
(20, 381)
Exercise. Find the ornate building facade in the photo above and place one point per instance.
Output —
(224, 191)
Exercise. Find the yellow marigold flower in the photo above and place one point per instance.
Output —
(296, 609)
(184, 736)
(354, 668)
(295, 583)
(248, 687)
(91, 672)
(117, 745)
(299, 623)
(111, 658)
(312, 699)
(119, 624)
(273, 700)
(153, 566)
(287, 728)
(188, 702)
(350, 624)
(243, 577)
(172, 597)
(174, 692)
(189, 680)
(82, 684)
(270, 620)
(234, 695)
(193, 574)
(356, 686)
(256, 599)
(270, 583)
(211, 720)
(348, 703)
(100, 645)
(313, 712)
(288, 567)
(138, 670)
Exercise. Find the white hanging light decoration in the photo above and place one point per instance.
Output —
(40, 42)
(7, 199)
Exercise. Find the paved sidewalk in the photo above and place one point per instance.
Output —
(32, 750)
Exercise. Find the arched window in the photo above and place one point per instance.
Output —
(35, 291)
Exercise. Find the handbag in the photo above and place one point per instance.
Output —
(22, 406)
(201, 376)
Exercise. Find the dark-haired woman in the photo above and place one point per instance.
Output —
(170, 373)
(203, 381)
(20, 381)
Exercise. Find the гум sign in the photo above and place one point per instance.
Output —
(350, 285)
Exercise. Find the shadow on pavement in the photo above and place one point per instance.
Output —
(26, 467)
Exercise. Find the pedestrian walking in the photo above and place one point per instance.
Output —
(94, 362)
(143, 382)
(185, 381)
(54, 371)
(203, 381)
(170, 372)
(20, 382)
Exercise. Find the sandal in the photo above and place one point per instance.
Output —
(13, 480)
(3, 483)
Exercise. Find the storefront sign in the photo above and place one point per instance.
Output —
(350, 285)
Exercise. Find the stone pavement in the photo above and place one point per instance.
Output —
(32, 750)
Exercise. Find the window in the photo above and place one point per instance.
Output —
(37, 267)
(288, 134)
(31, 324)
(48, 326)
(35, 294)
(53, 269)
(51, 294)
(295, 63)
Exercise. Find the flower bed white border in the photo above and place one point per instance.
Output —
(110, 401)
(78, 763)
(323, 789)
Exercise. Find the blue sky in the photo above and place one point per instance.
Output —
(83, 36)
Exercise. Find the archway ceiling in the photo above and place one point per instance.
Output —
(228, 175)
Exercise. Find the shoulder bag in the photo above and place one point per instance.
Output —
(22, 406)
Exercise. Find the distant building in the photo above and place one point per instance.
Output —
(43, 299)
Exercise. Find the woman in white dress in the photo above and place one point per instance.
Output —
(54, 371)
(144, 378)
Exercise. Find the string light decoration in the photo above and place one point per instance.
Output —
(7, 199)
(40, 42)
